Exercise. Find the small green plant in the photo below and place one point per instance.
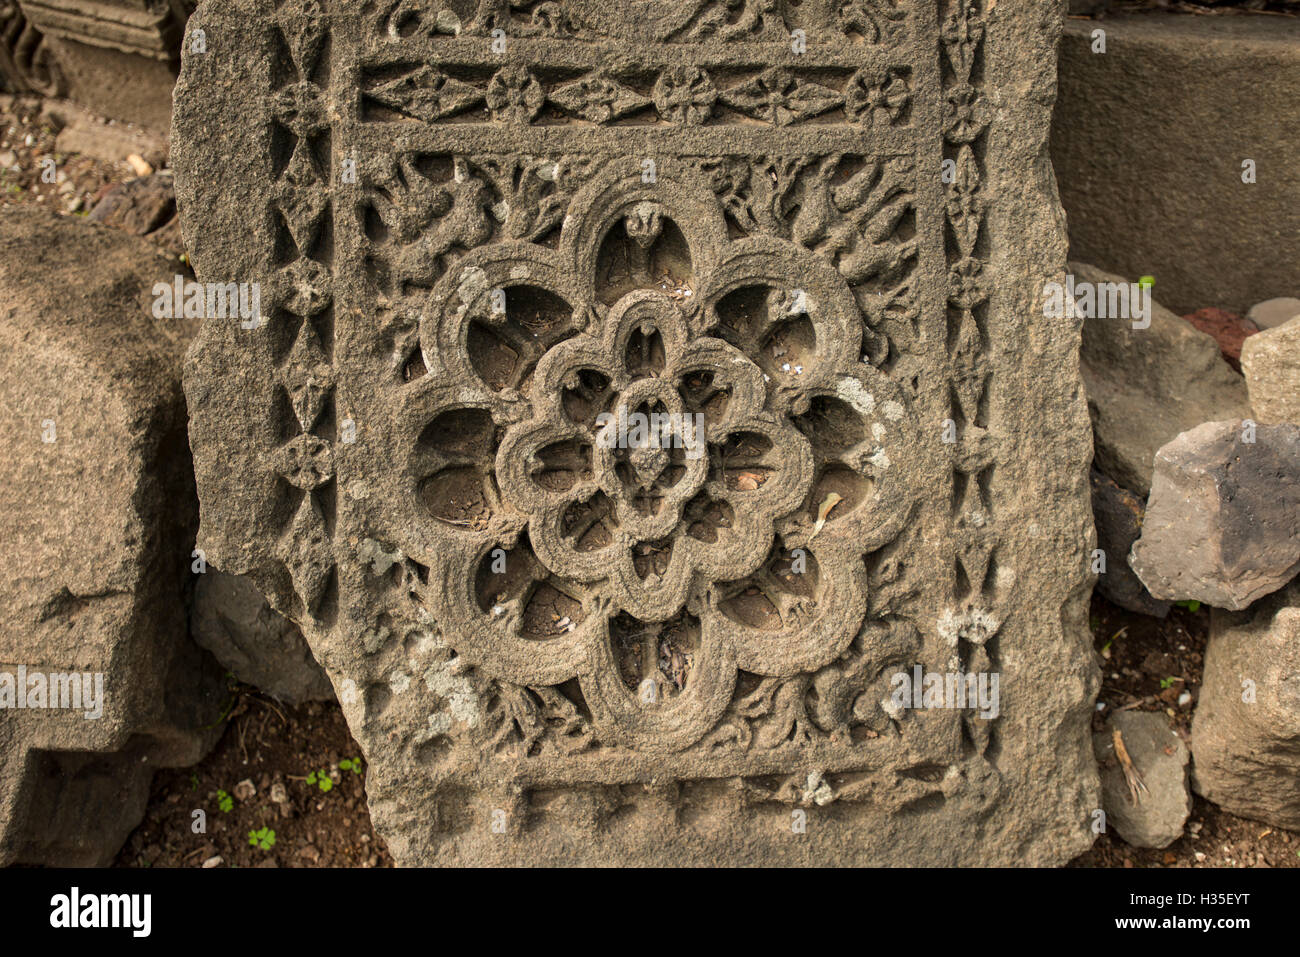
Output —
(194, 782)
(1168, 682)
(321, 779)
(1190, 604)
(263, 838)
(350, 764)
(225, 802)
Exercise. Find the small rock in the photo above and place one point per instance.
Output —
(1271, 361)
(139, 207)
(245, 790)
(232, 619)
(8, 159)
(138, 163)
(1160, 759)
(1227, 329)
(213, 862)
(1223, 520)
(1118, 513)
(1274, 312)
(1146, 386)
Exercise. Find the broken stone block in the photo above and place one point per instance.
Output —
(1223, 521)
(1118, 513)
(27, 64)
(1246, 730)
(636, 414)
(1144, 786)
(232, 620)
(98, 514)
(116, 57)
(1148, 385)
(1271, 361)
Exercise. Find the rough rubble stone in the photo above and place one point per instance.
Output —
(1223, 521)
(1146, 386)
(1118, 513)
(629, 655)
(232, 620)
(1274, 312)
(1246, 730)
(1158, 755)
(1271, 362)
(139, 206)
(98, 516)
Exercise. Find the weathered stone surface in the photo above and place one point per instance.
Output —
(1223, 521)
(1271, 362)
(98, 516)
(626, 654)
(1246, 730)
(1147, 386)
(27, 64)
(1149, 809)
(117, 57)
(1149, 142)
(1118, 513)
(232, 619)
(1274, 312)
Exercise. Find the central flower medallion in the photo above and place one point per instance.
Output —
(651, 459)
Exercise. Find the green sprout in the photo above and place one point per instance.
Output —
(350, 764)
(1190, 604)
(1168, 682)
(322, 780)
(225, 802)
(263, 838)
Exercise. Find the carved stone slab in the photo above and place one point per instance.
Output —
(488, 236)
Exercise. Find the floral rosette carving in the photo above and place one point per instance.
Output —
(649, 571)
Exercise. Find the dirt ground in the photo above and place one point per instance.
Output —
(1149, 665)
(27, 137)
(295, 772)
(267, 772)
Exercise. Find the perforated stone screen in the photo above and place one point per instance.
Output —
(649, 399)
